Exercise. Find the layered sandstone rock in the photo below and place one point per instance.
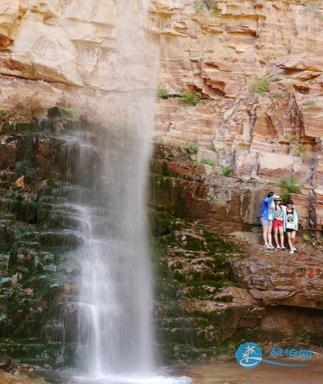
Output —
(257, 65)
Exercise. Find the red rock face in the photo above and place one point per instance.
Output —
(258, 68)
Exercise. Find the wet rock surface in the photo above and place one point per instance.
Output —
(195, 292)
(38, 233)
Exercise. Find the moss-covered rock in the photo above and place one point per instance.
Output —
(192, 266)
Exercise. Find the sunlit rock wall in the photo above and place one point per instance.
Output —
(257, 65)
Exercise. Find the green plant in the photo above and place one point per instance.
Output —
(163, 93)
(213, 148)
(278, 95)
(208, 162)
(300, 148)
(192, 149)
(306, 238)
(199, 6)
(3, 113)
(290, 184)
(203, 5)
(224, 298)
(299, 145)
(285, 196)
(216, 11)
(190, 98)
(311, 103)
(260, 85)
(227, 170)
(212, 198)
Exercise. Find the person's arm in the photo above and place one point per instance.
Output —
(271, 208)
(296, 219)
(284, 217)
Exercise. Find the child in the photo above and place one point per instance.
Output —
(291, 224)
(266, 219)
(278, 222)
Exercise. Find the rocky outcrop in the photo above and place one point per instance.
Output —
(277, 278)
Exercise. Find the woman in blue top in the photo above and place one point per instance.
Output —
(266, 218)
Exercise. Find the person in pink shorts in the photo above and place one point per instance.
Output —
(278, 222)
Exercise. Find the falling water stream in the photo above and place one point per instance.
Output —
(115, 301)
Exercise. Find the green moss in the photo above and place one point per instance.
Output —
(224, 299)
(70, 113)
(188, 334)
(27, 127)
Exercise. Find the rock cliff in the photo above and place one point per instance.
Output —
(256, 65)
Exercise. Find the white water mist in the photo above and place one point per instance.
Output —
(115, 327)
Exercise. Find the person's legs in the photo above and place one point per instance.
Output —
(289, 238)
(290, 241)
(282, 240)
(264, 231)
(293, 234)
(276, 236)
(269, 234)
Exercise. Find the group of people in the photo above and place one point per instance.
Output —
(279, 219)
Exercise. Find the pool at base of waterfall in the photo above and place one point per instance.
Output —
(218, 372)
(72, 377)
(230, 372)
(131, 379)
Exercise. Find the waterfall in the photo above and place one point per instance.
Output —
(115, 301)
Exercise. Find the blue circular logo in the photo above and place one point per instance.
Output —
(249, 355)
